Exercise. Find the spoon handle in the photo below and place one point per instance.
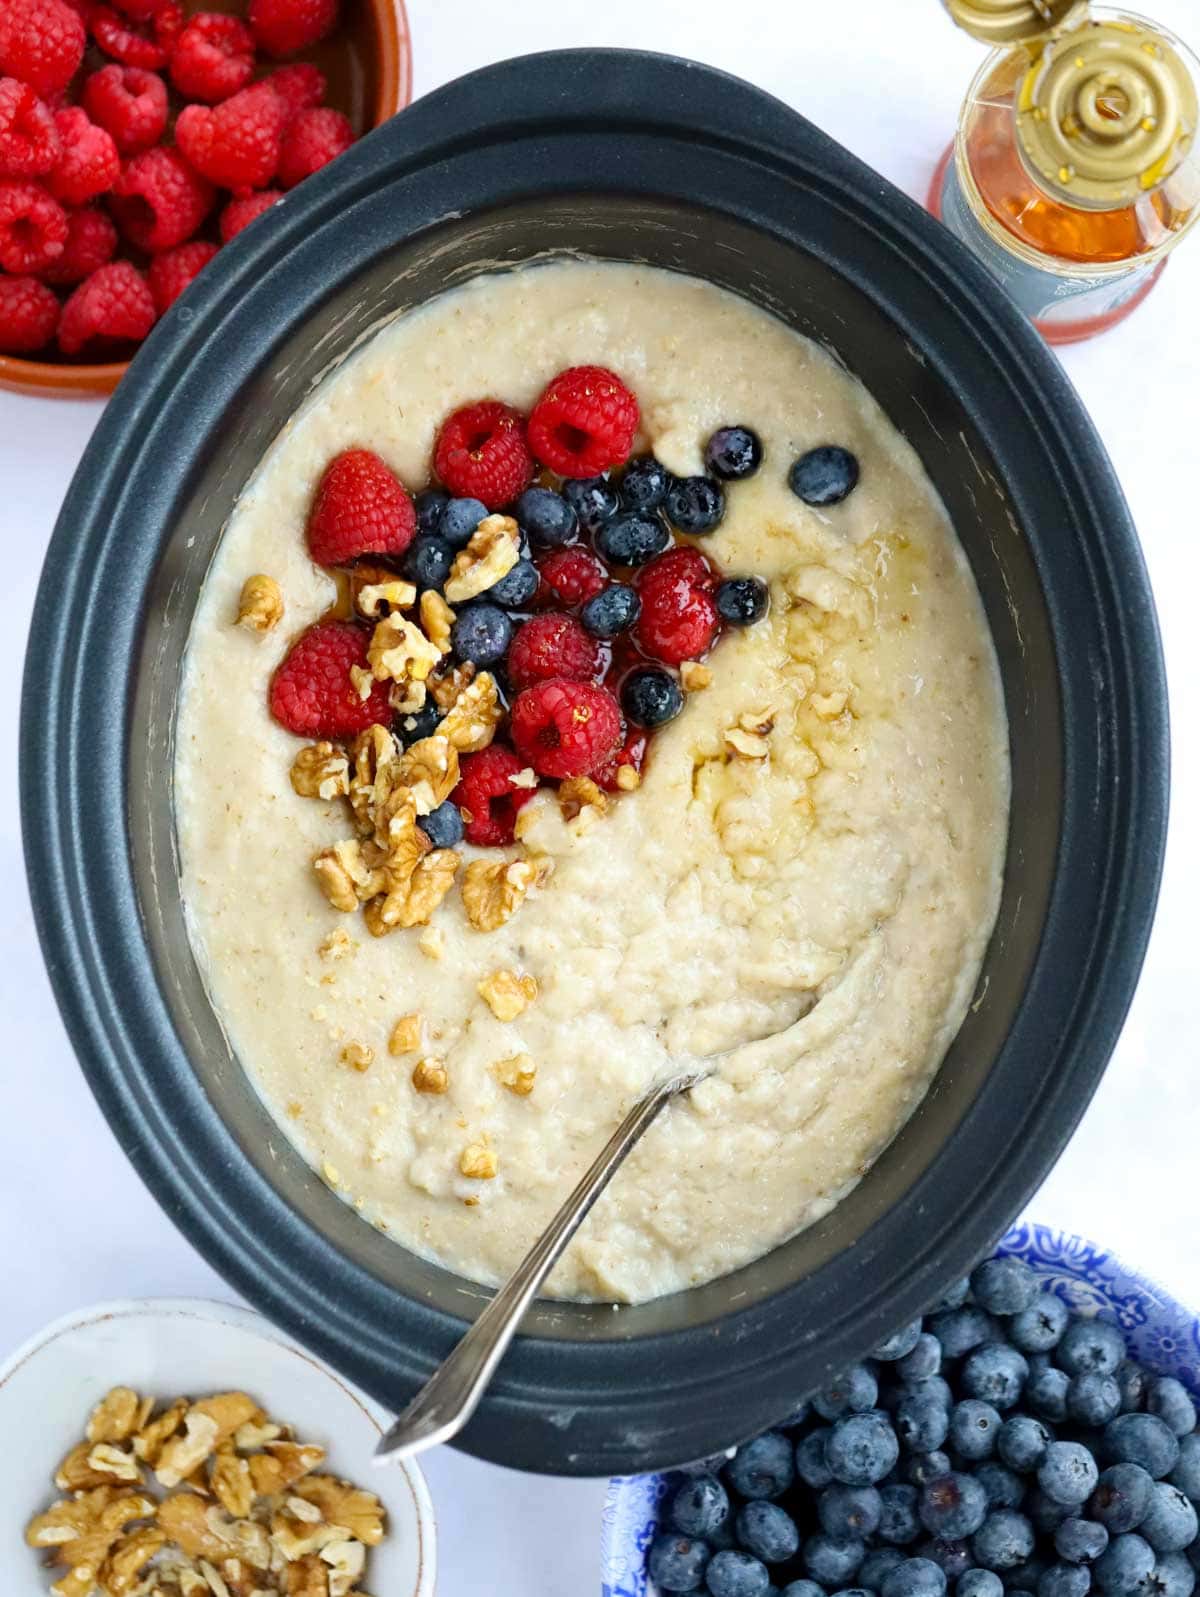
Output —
(451, 1395)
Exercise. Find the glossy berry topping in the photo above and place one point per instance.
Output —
(428, 561)
(552, 645)
(547, 517)
(644, 485)
(696, 505)
(458, 521)
(681, 564)
(360, 508)
(312, 139)
(481, 453)
(517, 589)
(733, 453)
(631, 754)
(443, 826)
(28, 315)
(612, 611)
(571, 576)
(824, 476)
(29, 141)
(584, 422)
(594, 500)
(633, 538)
(679, 618)
(486, 797)
(312, 693)
(651, 697)
(113, 306)
(742, 600)
(429, 505)
(565, 728)
(481, 633)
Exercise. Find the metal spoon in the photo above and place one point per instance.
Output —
(452, 1393)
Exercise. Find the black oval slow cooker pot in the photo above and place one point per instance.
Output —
(649, 159)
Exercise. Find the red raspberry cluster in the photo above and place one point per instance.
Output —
(89, 187)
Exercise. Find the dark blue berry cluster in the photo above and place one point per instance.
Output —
(1002, 1445)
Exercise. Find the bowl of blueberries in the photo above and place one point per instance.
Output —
(1033, 1435)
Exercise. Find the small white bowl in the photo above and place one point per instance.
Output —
(169, 1347)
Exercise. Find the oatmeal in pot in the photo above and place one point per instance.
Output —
(590, 681)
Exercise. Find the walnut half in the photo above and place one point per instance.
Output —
(493, 889)
(260, 604)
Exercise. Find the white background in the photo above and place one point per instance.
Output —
(886, 78)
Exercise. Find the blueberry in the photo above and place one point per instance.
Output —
(1022, 1443)
(952, 1557)
(1090, 1347)
(763, 1468)
(1134, 1383)
(862, 1449)
(612, 611)
(701, 1505)
(853, 1591)
(833, 1560)
(812, 1464)
(481, 634)
(547, 517)
(1025, 1576)
(412, 726)
(1046, 1393)
(1039, 1328)
(767, 1531)
(735, 1574)
(798, 1415)
(960, 1330)
(429, 506)
(651, 697)
(1093, 1399)
(877, 1565)
(1124, 1564)
(923, 1359)
(1186, 1474)
(852, 1392)
(443, 826)
(1068, 1473)
(1141, 1439)
(677, 1563)
(1168, 1399)
(1047, 1513)
(921, 1422)
(974, 1428)
(645, 483)
(632, 538)
(824, 476)
(459, 519)
(711, 1465)
(979, 1583)
(517, 587)
(915, 1577)
(935, 1386)
(898, 1522)
(1004, 1489)
(850, 1511)
(1065, 1580)
(995, 1373)
(1170, 1524)
(1004, 1285)
(954, 1296)
(1004, 1540)
(925, 1467)
(695, 505)
(1121, 1498)
(733, 452)
(741, 601)
(954, 1506)
(802, 1588)
(1080, 1541)
(1173, 1577)
(427, 561)
(594, 500)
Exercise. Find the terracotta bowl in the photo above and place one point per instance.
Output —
(368, 63)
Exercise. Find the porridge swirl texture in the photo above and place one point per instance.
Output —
(815, 852)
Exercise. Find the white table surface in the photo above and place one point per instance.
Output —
(885, 77)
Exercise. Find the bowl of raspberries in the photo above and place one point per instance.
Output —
(138, 138)
(1033, 1435)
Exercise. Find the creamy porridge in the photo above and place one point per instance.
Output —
(805, 880)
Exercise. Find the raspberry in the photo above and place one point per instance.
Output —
(29, 142)
(553, 645)
(130, 43)
(213, 57)
(28, 315)
(572, 576)
(91, 244)
(486, 796)
(679, 618)
(89, 164)
(239, 213)
(170, 273)
(140, 10)
(360, 508)
(584, 423)
(631, 753)
(235, 144)
(313, 139)
(33, 228)
(41, 43)
(481, 453)
(683, 564)
(159, 201)
(285, 27)
(565, 728)
(312, 694)
(129, 103)
(300, 87)
(112, 306)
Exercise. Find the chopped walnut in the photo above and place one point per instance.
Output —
(506, 994)
(362, 680)
(346, 1561)
(260, 605)
(96, 1520)
(321, 771)
(400, 651)
(195, 1527)
(406, 1035)
(471, 721)
(118, 1415)
(749, 737)
(432, 942)
(429, 769)
(118, 1463)
(493, 889)
(182, 1454)
(76, 1474)
(248, 1438)
(526, 778)
(421, 895)
(307, 1577)
(342, 1504)
(447, 686)
(694, 676)
(375, 589)
(125, 1563)
(282, 1465)
(517, 1074)
(491, 554)
(629, 779)
(430, 1075)
(478, 1163)
(374, 752)
(338, 945)
(344, 875)
(436, 618)
(358, 1056)
(231, 1482)
(578, 793)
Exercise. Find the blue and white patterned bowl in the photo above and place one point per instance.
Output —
(1160, 1332)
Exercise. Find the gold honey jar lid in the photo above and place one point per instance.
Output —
(1007, 21)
